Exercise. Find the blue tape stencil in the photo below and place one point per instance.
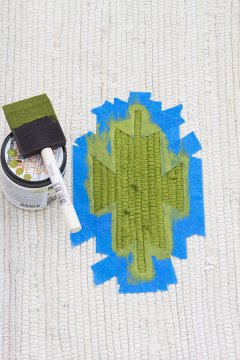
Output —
(119, 264)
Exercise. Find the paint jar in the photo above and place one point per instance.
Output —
(25, 182)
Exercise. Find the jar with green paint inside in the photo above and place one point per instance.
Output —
(25, 182)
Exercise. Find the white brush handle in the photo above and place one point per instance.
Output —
(61, 190)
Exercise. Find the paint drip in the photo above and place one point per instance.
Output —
(25, 182)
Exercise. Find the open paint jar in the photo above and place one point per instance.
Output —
(25, 182)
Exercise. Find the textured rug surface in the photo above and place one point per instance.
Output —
(80, 53)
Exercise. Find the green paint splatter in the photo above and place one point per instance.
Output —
(19, 171)
(12, 153)
(143, 184)
(13, 164)
(27, 177)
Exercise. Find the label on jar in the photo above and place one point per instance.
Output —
(29, 169)
(27, 198)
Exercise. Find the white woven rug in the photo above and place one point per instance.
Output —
(81, 53)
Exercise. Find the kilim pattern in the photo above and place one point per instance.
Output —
(139, 190)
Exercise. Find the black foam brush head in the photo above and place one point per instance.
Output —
(34, 125)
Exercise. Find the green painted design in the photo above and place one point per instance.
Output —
(28, 110)
(143, 184)
(27, 177)
(12, 153)
(19, 171)
(13, 163)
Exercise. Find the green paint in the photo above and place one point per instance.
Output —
(28, 110)
(143, 184)
(27, 177)
(13, 164)
(19, 171)
(12, 153)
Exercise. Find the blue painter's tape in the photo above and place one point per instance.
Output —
(121, 109)
(190, 144)
(164, 276)
(108, 268)
(139, 98)
(175, 114)
(114, 266)
(194, 223)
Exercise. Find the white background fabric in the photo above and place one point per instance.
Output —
(81, 53)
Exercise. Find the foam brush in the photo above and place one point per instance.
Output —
(36, 129)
